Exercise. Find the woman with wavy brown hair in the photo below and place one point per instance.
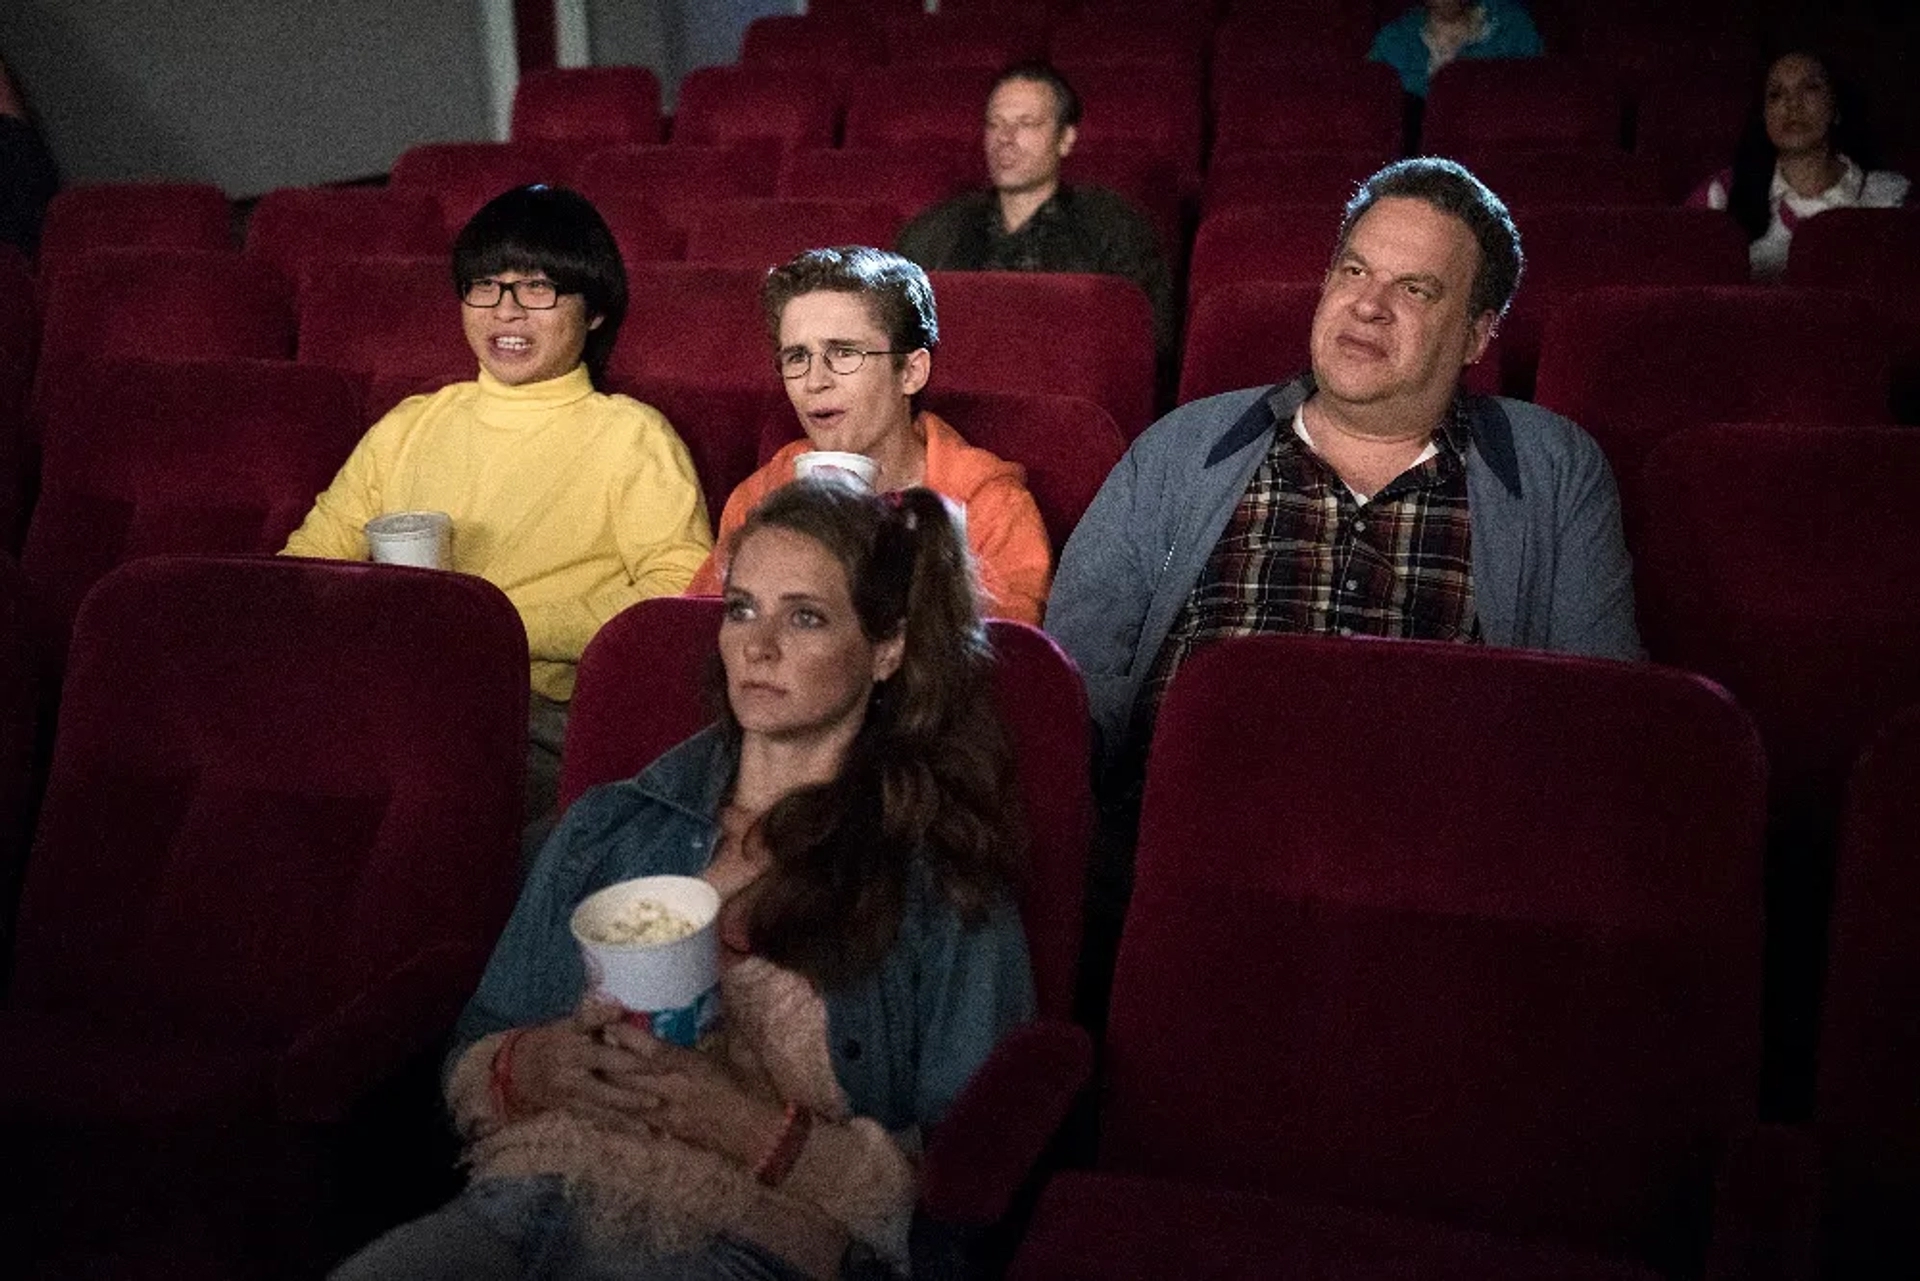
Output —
(850, 809)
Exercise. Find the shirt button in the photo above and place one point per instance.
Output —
(1353, 584)
(1346, 631)
(1359, 526)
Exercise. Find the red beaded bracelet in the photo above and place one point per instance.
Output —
(773, 1168)
(500, 1073)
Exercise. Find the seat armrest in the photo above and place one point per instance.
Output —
(992, 1137)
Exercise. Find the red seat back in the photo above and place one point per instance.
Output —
(909, 179)
(204, 873)
(1587, 176)
(1633, 364)
(766, 233)
(1286, 242)
(720, 425)
(587, 104)
(1574, 248)
(678, 181)
(780, 108)
(388, 316)
(1483, 104)
(1532, 1009)
(696, 323)
(808, 40)
(905, 106)
(149, 457)
(1869, 1114)
(986, 41)
(178, 304)
(1347, 107)
(1279, 177)
(298, 229)
(1050, 332)
(462, 176)
(1874, 253)
(156, 215)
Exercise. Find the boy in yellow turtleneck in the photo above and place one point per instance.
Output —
(573, 502)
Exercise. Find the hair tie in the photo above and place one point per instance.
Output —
(894, 498)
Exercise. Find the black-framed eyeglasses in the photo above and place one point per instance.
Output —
(536, 294)
(794, 362)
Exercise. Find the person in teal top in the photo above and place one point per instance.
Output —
(850, 808)
(1429, 36)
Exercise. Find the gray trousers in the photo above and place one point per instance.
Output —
(546, 738)
(524, 1230)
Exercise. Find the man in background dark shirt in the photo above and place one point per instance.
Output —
(1028, 220)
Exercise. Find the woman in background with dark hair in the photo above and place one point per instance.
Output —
(573, 502)
(851, 810)
(1803, 151)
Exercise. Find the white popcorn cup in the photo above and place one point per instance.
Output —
(857, 470)
(671, 988)
(422, 539)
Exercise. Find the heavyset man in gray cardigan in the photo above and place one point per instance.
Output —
(1428, 261)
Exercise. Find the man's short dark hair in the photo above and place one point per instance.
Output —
(558, 234)
(898, 291)
(1065, 100)
(1448, 187)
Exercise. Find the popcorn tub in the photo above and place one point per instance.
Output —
(653, 945)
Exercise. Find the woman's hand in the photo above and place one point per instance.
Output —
(571, 1065)
(695, 1098)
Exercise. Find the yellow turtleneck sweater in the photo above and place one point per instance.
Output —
(574, 503)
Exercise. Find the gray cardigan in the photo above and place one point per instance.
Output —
(1550, 566)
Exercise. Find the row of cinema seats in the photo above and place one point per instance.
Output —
(1350, 1033)
(1774, 557)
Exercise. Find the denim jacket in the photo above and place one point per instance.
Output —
(904, 1039)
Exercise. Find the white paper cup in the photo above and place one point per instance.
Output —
(422, 539)
(857, 470)
(674, 988)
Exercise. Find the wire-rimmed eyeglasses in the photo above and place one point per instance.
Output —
(535, 294)
(794, 362)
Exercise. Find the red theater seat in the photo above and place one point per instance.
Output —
(19, 699)
(809, 40)
(386, 316)
(907, 107)
(1688, 123)
(1874, 253)
(766, 233)
(1589, 176)
(619, 724)
(1344, 107)
(1256, 332)
(1778, 560)
(149, 457)
(1869, 1114)
(641, 229)
(1285, 242)
(1529, 1013)
(1634, 364)
(986, 41)
(1281, 177)
(1144, 39)
(462, 176)
(232, 936)
(1480, 105)
(19, 337)
(1569, 249)
(181, 304)
(697, 323)
(1145, 111)
(1067, 444)
(678, 181)
(298, 229)
(780, 108)
(158, 215)
(1050, 332)
(910, 179)
(587, 105)
(1272, 35)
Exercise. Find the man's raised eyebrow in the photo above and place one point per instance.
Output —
(1428, 279)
